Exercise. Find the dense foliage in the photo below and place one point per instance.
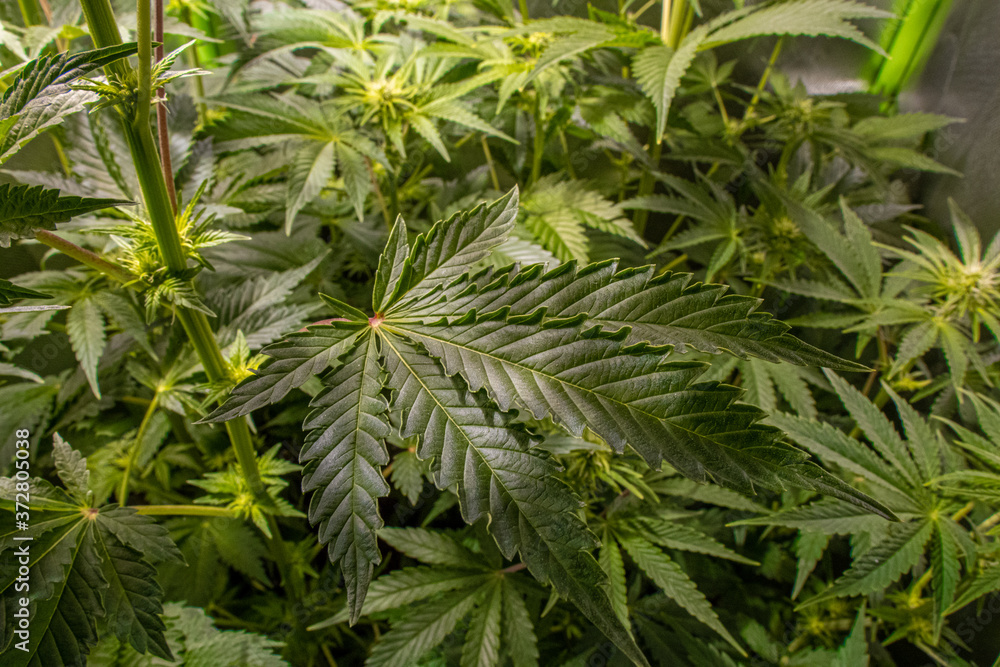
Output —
(413, 333)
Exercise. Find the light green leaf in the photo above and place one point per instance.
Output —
(71, 468)
(518, 638)
(802, 17)
(854, 652)
(292, 363)
(658, 70)
(408, 475)
(424, 628)
(809, 548)
(983, 583)
(85, 326)
(308, 175)
(610, 560)
(40, 98)
(946, 574)
(429, 546)
(411, 584)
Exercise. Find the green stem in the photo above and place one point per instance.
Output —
(646, 182)
(538, 147)
(908, 41)
(489, 161)
(379, 197)
(31, 13)
(208, 52)
(680, 22)
(142, 146)
(569, 158)
(133, 456)
(965, 510)
(185, 510)
(140, 141)
(83, 256)
(764, 78)
(196, 82)
(989, 522)
(523, 7)
(786, 159)
(665, 17)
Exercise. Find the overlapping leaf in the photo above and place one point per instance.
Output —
(460, 351)
(40, 97)
(664, 310)
(86, 564)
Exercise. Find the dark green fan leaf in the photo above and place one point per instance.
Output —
(9, 292)
(450, 248)
(488, 459)
(292, 362)
(663, 310)
(23, 209)
(345, 451)
(133, 598)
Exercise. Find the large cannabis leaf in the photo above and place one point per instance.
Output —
(86, 564)
(40, 96)
(456, 353)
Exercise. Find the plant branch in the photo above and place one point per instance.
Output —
(764, 78)
(136, 447)
(538, 147)
(84, 256)
(665, 16)
(30, 13)
(185, 510)
(489, 162)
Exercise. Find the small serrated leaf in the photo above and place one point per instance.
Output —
(71, 468)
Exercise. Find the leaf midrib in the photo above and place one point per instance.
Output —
(461, 430)
(568, 384)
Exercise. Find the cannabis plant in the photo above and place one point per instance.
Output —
(434, 333)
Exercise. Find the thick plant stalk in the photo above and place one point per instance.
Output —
(142, 145)
(909, 42)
